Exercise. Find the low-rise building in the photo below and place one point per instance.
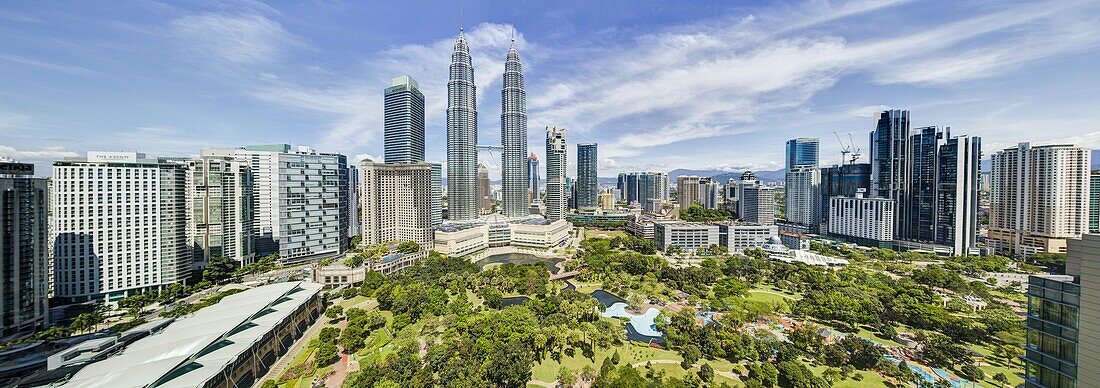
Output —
(600, 219)
(458, 240)
(736, 236)
(540, 235)
(688, 236)
(229, 344)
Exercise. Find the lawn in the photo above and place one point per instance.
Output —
(992, 366)
(769, 296)
(599, 233)
(629, 353)
(870, 379)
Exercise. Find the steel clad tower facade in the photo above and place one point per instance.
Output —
(513, 137)
(556, 201)
(461, 135)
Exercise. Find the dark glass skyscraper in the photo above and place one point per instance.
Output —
(403, 122)
(587, 184)
(802, 152)
(513, 137)
(916, 221)
(843, 181)
(888, 151)
(461, 135)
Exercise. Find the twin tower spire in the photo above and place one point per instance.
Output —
(462, 135)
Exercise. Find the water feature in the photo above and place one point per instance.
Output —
(640, 327)
(517, 258)
(607, 298)
(513, 301)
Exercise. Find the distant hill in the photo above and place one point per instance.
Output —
(674, 174)
(763, 176)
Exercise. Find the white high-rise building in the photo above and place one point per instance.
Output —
(556, 200)
(396, 203)
(1039, 198)
(120, 221)
(219, 202)
(300, 199)
(803, 196)
(803, 183)
(461, 135)
(866, 221)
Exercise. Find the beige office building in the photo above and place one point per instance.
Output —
(396, 203)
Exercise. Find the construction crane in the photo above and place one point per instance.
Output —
(852, 145)
(847, 149)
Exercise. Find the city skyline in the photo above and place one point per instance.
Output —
(312, 86)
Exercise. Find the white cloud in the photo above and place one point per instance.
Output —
(44, 154)
(232, 40)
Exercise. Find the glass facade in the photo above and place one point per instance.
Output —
(1050, 357)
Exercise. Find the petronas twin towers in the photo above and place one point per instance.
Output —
(462, 136)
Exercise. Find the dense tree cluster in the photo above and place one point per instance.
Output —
(696, 213)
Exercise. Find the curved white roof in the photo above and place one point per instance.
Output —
(192, 350)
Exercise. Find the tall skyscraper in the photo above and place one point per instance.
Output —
(437, 194)
(219, 202)
(533, 175)
(917, 211)
(709, 193)
(24, 233)
(687, 190)
(556, 194)
(957, 193)
(513, 138)
(403, 121)
(803, 183)
(397, 203)
(101, 247)
(1038, 198)
(755, 202)
(588, 186)
(300, 199)
(461, 135)
(484, 190)
(646, 189)
(802, 152)
(888, 151)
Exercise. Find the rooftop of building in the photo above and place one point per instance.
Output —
(194, 349)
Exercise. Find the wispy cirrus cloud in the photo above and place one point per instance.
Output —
(717, 79)
(234, 41)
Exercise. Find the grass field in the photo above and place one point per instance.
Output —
(767, 295)
(599, 233)
(629, 353)
(992, 367)
(870, 379)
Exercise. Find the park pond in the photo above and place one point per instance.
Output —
(551, 264)
(641, 328)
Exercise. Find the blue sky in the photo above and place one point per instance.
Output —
(659, 85)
